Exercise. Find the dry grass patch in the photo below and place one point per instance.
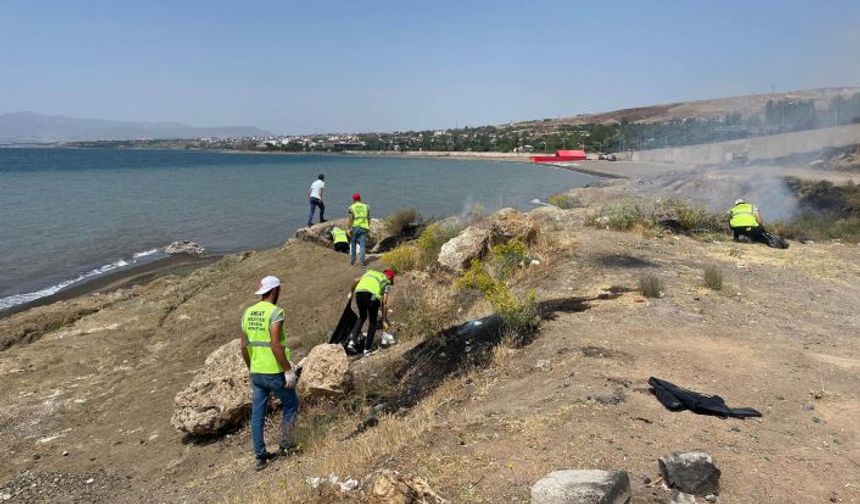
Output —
(651, 286)
(713, 277)
(361, 454)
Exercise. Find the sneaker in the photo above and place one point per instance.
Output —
(350, 346)
(323, 220)
(366, 353)
(262, 462)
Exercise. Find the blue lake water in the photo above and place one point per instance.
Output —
(71, 214)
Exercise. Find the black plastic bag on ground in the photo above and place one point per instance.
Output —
(675, 398)
(775, 241)
(344, 327)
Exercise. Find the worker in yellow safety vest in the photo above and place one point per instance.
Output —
(358, 222)
(265, 351)
(745, 220)
(340, 240)
(371, 295)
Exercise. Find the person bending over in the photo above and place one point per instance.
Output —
(371, 295)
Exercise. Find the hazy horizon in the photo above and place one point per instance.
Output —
(384, 66)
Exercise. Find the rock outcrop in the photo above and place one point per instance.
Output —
(505, 225)
(325, 372)
(458, 252)
(693, 472)
(219, 396)
(185, 247)
(391, 487)
(586, 486)
(320, 234)
(508, 224)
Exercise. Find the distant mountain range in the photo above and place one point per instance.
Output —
(30, 127)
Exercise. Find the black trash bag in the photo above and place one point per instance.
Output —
(775, 241)
(675, 398)
(345, 325)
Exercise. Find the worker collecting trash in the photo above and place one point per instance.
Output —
(371, 295)
(745, 220)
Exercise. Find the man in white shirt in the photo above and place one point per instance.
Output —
(315, 196)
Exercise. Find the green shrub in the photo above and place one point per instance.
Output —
(624, 214)
(686, 217)
(397, 222)
(564, 201)
(713, 277)
(520, 316)
(434, 236)
(651, 286)
(507, 256)
(403, 258)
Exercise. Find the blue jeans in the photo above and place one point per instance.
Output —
(359, 236)
(315, 202)
(261, 386)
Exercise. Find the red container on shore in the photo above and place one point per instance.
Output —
(561, 155)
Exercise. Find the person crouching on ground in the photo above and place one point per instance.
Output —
(358, 222)
(746, 221)
(371, 295)
(265, 351)
(340, 240)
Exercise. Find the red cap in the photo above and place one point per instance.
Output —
(389, 273)
(356, 197)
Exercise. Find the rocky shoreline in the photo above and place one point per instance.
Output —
(457, 411)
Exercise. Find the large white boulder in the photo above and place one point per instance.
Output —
(325, 372)
(219, 396)
(458, 252)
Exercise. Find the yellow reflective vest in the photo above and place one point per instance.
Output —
(256, 322)
(360, 215)
(338, 235)
(743, 215)
(373, 282)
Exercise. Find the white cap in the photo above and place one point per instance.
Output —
(268, 283)
(739, 201)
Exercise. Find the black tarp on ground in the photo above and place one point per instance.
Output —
(347, 321)
(676, 398)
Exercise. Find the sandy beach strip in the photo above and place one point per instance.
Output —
(174, 265)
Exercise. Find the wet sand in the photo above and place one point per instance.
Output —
(174, 265)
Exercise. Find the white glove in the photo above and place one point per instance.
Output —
(290, 379)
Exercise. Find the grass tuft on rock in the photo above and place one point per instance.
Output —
(403, 258)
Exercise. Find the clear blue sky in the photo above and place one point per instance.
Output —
(296, 67)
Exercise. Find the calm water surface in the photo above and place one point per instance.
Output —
(69, 214)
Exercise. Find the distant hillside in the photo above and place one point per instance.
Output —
(30, 127)
(746, 106)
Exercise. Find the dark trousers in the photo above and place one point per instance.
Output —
(755, 234)
(316, 202)
(368, 308)
(342, 247)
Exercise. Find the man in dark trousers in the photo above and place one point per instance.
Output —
(371, 294)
